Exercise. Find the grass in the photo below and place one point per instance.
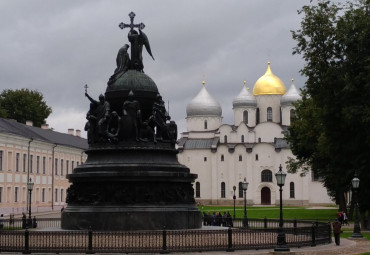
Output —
(349, 234)
(301, 213)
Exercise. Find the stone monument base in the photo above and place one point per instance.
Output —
(131, 217)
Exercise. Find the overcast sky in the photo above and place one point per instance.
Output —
(56, 47)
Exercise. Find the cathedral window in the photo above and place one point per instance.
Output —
(222, 157)
(1, 160)
(245, 117)
(256, 157)
(269, 114)
(197, 189)
(240, 190)
(223, 190)
(266, 176)
(292, 193)
(258, 115)
(240, 158)
(205, 124)
(225, 139)
(242, 139)
(205, 159)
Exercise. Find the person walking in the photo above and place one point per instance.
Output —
(337, 229)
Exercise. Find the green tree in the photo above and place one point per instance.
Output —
(331, 131)
(23, 105)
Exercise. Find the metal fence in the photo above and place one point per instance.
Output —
(260, 234)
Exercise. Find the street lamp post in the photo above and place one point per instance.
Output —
(245, 187)
(356, 228)
(234, 197)
(281, 242)
(30, 188)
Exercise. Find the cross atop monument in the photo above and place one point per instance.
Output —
(131, 25)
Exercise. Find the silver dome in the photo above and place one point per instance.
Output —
(292, 95)
(244, 99)
(203, 104)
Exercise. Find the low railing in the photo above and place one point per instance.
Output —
(227, 239)
(41, 223)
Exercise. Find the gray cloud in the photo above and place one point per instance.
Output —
(56, 47)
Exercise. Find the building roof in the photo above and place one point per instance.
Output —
(244, 99)
(269, 84)
(203, 104)
(8, 126)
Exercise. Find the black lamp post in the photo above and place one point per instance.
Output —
(281, 242)
(356, 228)
(234, 197)
(30, 188)
(245, 187)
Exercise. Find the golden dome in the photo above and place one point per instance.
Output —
(269, 84)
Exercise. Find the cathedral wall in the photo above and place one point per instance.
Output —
(197, 123)
(265, 101)
(268, 131)
(285, 118)
(239, 116)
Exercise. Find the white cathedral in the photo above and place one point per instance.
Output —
(252, 148)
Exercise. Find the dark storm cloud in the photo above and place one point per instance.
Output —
(58, 46)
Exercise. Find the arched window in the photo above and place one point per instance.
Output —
(222, 157)
(240, 189)
(242, 139)
(266, 176)
(225, 139)
(269, 114)
(205, 124)
(223, 190)
(197, 189)
(292, 114)
(292, 193)
(258, 115)
(240, 158)
(245, 117)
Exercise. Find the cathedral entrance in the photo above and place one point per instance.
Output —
(265, 196)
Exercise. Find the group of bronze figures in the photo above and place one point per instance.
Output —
(104, 125)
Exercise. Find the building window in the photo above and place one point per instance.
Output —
(266, 176)
(205, 124)
(240, 190)
(1, 194)
(43, 165)
(292, 114)
(197, 189)
(269, 114)
(61, 195)
(256, 157)
(245, 117)
(56, 195)
(61, 167)
(240, 158)
(16, 194)
(205, 159)
(31, 163)
(73, 165)
(24, 162)
(242, 139)
(292, 193)
(38, 164)
(56, 166)
(258, 115)
(17, 155)
(222, 157)
(223, 190)
(77, 163)
(225, 139)
(43, 195)
(67, 166)
(1, 160)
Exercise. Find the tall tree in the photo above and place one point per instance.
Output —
(330, 133)
(23, 105)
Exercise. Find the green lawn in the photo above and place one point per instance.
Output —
(349, 234)
(274, 212)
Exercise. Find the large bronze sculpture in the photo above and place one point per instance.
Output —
(131, 179)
